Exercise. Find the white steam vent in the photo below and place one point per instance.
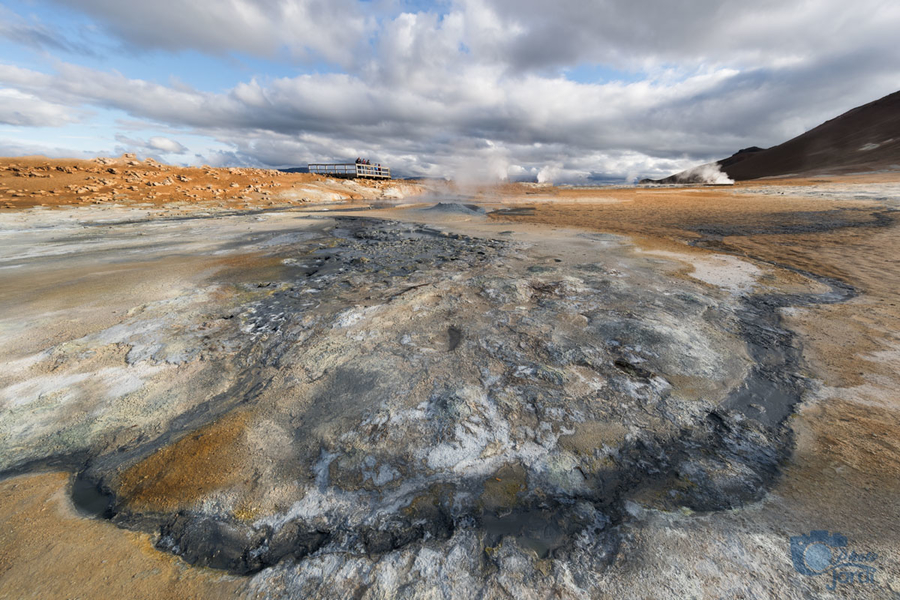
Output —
(708, 174)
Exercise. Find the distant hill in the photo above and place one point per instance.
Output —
(866, 138)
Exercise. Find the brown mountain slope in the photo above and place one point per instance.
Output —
(866, 138)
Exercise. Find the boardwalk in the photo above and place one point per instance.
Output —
(351, 171)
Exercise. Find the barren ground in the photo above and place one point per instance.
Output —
(266, 385)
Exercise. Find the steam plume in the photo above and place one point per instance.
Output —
(708, 173)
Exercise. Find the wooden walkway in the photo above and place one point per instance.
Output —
(350, 171)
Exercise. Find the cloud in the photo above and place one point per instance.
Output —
(37, 36)
(10, 147)
(646, 34)
(331, 29)
(480, 86)
(154, 144)
(166, 145)
(515, 35)
(28, 110)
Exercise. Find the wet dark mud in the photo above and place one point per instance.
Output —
(456, 208)
(801, 222)
(769, 394)
(91, 499)
(513, 212)
(646, 442)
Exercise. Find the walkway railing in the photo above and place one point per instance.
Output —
(350, 171)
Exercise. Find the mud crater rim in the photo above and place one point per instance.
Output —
(761, 322)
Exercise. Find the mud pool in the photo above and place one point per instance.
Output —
(338, 403)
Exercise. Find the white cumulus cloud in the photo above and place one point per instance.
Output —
(570, 91)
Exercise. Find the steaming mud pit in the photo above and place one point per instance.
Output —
(403, 403)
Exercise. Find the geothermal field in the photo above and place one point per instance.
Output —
(247, 383)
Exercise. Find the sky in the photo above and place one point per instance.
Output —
(574, 91)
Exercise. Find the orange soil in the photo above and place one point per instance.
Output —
(47, 550)
(40, 181)
(671, 212)
(176, 476)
